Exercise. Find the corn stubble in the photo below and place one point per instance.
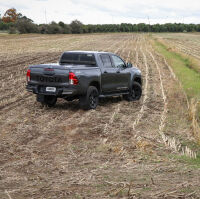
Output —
(121, 150)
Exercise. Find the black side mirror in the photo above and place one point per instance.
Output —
(129, 65)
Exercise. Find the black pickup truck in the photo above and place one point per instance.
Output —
(84, 75)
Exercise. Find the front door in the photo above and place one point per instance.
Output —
(123, 75)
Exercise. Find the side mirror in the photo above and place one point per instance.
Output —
(129, 65)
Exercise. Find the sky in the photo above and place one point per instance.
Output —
(107, 11)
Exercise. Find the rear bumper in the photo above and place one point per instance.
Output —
(60, 91)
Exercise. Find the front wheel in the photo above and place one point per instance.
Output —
(135, 93)
(90, 100)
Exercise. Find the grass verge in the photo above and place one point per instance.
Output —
(194, 163)
(183, 68)
(186, 71)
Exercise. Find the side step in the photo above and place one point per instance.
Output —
(113, 94)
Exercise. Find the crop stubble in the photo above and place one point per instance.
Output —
(65, 152)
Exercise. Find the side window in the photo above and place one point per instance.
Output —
(118, 63)
(106, 61)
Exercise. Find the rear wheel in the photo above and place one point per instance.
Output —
(135, 93)
(90, 100)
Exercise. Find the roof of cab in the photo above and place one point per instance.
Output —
(81, 51)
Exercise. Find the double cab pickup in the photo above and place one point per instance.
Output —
(84, 75)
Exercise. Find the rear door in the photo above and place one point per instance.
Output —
(123, 74)
(108, 77)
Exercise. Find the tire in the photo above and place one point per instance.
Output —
(90, 100)
(135, 93)
(49, 100)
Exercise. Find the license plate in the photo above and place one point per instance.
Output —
(51, 89)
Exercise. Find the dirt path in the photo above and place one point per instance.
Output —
(115, 151)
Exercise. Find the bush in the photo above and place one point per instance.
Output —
(12, 30)
(5, 26)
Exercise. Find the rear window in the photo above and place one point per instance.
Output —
(78, 58)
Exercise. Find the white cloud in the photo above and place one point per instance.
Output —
(107, 11)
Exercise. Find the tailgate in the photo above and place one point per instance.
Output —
(49, 75)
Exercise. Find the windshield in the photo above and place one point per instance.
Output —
(78, 58)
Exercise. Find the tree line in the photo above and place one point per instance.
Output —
(14, 22)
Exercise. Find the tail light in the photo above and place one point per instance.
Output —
(28, 75)
(73, 79)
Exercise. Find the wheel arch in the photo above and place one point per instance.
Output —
(95, 84)
(138, 79)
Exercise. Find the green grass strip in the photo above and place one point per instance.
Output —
(189, 78)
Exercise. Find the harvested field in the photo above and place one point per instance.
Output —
(120, 150)
(188, 43)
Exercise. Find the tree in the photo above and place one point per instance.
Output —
(25, 18)
(54, 28)
(10, 16)
(61, 24)
(25, 26)
(66, 29)
(76, 26)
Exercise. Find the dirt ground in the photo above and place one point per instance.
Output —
(120, 150)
